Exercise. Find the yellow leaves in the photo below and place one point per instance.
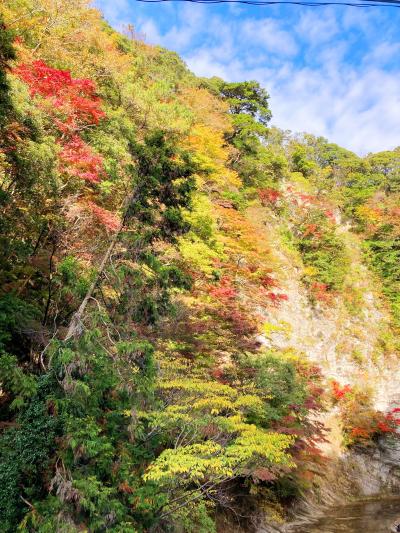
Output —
(247, 248)
(212, 156)
(261, 444)
(110, 293)
(197, 253)
(252, 442)
(199, 247)
(215, 405)
(310, 271)
(189, 464)
(208, 143)
(207, 108)
(249, 402)
(284, 328)
(194, 386)
(213, 398)
(170, 418)
(368, 214)
(202, 399)
(215, 462)
(218, 412)
(70, 34)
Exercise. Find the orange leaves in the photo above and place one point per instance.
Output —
(267, 281)
(357, 433)
(320, 292)
(243, 237)
(207, 108)
(311, 230)
(379, 424)
(338, 391)
(125, 488)
(361, 422)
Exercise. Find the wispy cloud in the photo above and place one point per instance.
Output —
(333, 72)
(269, 35)
(316, 29)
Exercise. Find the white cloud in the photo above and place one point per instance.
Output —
(329, 72)
(360, 112)
(383, 53)
(150, 31)
(115, 11)
(204, 63)
(317, 27)
(269, 35)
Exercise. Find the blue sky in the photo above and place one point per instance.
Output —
(331, 71)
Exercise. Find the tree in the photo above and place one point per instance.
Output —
(246, 97)
(387, 164)
(7, 53)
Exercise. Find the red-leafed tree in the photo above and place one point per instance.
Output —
(74, 97)
(78, 159)
(74, 106)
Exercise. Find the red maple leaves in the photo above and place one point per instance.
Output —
(381, 424)
(108, 219)
(269, 196)
(78, 159)
(320, 292)
(74, 97)
(276, 298)
(73, 105)
(340, 392)
(224, 291)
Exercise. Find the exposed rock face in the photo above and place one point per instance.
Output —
(345, 343)
(342, 341)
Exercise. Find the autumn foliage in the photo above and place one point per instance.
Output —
(73, 105)
(73, 97)
(340, 391)
(148, 217)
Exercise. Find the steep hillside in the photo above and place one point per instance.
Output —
(199, 313)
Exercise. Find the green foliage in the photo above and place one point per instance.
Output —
(20, 385)
(323, 251)
(15, 315)
(387, 166)
(164, 185)
(243, 98)
(277, 379)
(256, 163)
(6, 55)
(300, 162)
(194, 517)
(25, 456)
(383, 252)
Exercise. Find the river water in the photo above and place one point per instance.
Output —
(368, 516)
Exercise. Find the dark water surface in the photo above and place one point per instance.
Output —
(370, 516)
